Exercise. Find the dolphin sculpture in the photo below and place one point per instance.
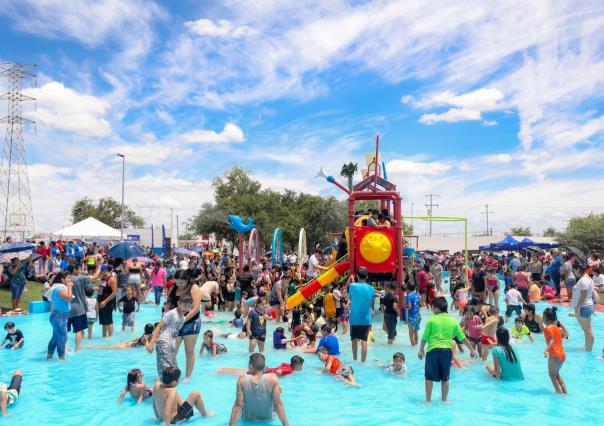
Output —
(236, 223)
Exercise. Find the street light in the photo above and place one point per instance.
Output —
(123, 173)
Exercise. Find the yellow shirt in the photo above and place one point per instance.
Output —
(535, 293)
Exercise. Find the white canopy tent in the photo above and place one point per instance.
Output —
(90, 227)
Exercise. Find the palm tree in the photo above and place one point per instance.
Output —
(348, 171)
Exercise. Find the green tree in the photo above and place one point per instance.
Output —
(107, 210)
(348, 171)
(585, 232)
(519, 230)
(236, 192)
(549, 232)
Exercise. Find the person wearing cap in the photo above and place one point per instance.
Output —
(361, 294)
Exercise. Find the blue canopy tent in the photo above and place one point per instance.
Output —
(508, 243)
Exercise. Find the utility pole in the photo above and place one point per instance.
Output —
(15, 205)
(412, 204)
(123, 182)
(430, 206)
(177, 231)
(486, 212)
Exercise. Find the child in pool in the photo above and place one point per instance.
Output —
(345, 303)
(14, 337)
(554, 333)
(135, 386)
(139, 342)
(520, 330)
(128, 302)
(398, 366)
(506, 364)
(460, 299)
(296, 364)
(488, 331)
(334, 366)
(210, 346)
(168, 406)
(279, 339)
(92, 310)
(469, 324)
(237, 322)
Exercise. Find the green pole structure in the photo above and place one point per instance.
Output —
(448, 219)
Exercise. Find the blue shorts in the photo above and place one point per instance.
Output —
(16, 290)
(438, 365)
(586, 311)
(190, 328)
(414, 322)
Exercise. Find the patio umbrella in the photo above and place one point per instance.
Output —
(193, 254)
(579, 255)
(20, 249)
(181, 250)
(126, 250)
(535, 249)
(145, 260)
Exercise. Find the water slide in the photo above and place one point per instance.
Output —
(317, 284)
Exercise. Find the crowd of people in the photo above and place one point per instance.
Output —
(90, 287)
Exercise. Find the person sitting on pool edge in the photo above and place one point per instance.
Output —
(440, 331)
(168, 406)
(10, 395)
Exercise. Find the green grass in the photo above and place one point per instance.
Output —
(34, 293)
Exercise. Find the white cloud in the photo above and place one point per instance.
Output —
(221, 28)
(435, 168)
(451, 116)
(230, 133)
(66, 109)
(151, 153)
(467, 107)
(164, 116)
(497, 158)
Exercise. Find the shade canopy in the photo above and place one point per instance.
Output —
(90, 227)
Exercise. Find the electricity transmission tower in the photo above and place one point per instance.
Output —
(15, 205)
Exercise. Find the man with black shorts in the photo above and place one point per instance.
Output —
(361, 295)
(439, 333)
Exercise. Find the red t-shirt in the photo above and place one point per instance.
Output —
(424, 277)
(335, 363)
(283, 370)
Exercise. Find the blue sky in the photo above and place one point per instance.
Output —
(498, 104)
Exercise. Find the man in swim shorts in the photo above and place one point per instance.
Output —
(361, 295)
(9, 395)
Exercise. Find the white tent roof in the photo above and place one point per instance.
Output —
(90, 227)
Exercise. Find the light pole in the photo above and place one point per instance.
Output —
(123, 177)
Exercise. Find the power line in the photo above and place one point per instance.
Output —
(430, 207)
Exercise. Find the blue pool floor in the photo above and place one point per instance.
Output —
(84, 389)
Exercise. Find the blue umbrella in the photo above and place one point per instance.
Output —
(184, 251)
(126, 250)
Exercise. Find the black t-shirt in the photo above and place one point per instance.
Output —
(389, 300)
(245, 281)
(478, 281)
(128, 304)
(14, 337)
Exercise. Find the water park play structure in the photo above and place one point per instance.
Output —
(380, 250)
(254, 249)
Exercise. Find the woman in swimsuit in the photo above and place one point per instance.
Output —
(186, 286)
(493, 289)
(532, 320)
(135, 386)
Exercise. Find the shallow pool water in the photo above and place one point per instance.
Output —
(84, 389)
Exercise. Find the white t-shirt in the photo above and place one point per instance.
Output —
(91, 303)
(598, 281)
(337, 295)
(585, 283)
(512, 296)
(207, 289)
(313, 262)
